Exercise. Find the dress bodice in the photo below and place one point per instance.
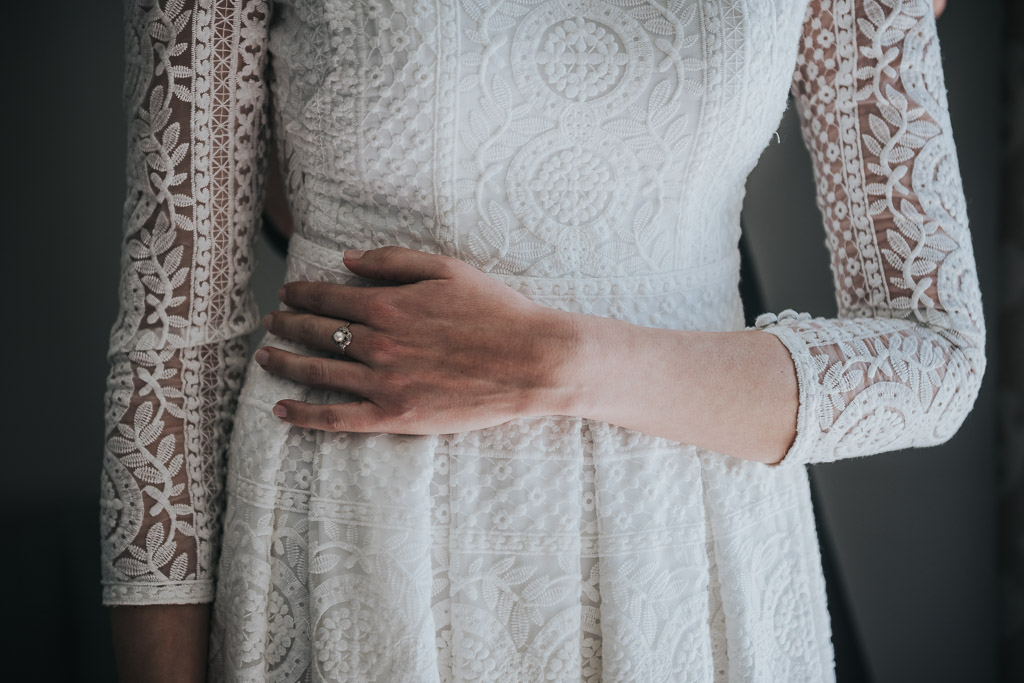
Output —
(565, 140)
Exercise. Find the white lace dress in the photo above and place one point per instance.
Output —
(592, 155)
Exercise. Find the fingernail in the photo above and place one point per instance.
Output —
(266, 320)
(353, 254)
(280, 411)
(261, 356)
(280, 294)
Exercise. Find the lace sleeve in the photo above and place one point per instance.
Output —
(902, 364)
(195, 105)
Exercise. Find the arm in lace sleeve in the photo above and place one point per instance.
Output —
(195, 104)
(902, 364)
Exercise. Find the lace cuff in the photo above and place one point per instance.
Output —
(804, 445)
(151, 593)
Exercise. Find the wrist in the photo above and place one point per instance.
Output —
(558, 360)
(580, 359)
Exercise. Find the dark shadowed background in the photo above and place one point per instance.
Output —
(914, 533)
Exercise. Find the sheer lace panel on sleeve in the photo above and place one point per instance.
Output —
(903, 364)
(195, 105)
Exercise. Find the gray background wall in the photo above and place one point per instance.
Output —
(914, 531)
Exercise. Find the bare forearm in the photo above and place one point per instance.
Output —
(161, 643)
(731, 392)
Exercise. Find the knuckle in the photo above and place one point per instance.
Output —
(317, 297)
(333, 421)
(396, 382)
(314, 298)
(396, 389)
(308, 327)
(379, 348)
(317, 373)
(388, 252)
(450, 265)
(404, 407)
(380, 310)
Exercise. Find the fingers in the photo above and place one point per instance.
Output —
(328, 299)
(317, 332)
(329, 373)
(359, 416)
(398, 264)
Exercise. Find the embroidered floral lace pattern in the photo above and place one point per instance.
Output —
(194, 101)
(592, 155)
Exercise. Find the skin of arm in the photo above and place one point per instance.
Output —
(160, 643)
(731, 392)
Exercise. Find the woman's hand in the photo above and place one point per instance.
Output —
(449, 349)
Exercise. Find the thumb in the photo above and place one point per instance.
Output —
(398, 264)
